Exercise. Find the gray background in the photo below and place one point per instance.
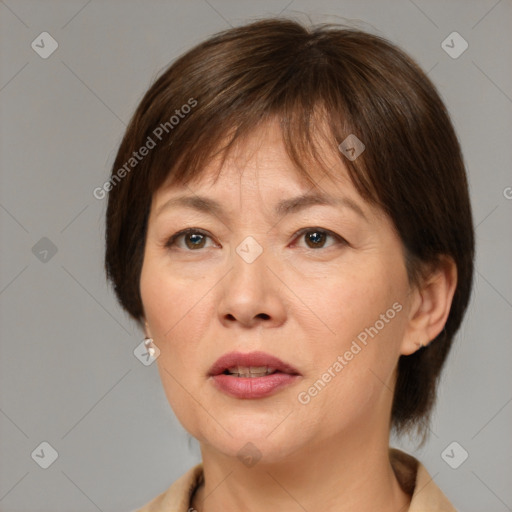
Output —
(68, 374)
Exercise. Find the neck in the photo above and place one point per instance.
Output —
(332, 475)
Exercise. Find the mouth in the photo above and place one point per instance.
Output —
(250, 365)
(250, 371)
(251, 376)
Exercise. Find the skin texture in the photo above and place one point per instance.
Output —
(303, 303)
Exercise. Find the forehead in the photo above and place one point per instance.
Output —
(260, 167)
(260, 158)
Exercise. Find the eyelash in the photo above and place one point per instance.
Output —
(172, 240)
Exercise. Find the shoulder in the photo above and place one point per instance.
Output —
(177, 496)
(417, 482)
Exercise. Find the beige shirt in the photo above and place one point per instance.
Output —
(411, 474)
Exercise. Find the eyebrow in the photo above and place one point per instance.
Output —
(283, 208)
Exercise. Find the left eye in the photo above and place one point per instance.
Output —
(315, 237)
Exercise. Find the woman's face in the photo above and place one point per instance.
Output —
(322, 287)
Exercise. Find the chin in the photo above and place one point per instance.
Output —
(252, 443)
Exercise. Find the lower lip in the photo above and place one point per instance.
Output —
(253, 387)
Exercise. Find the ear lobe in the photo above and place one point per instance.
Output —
(430, 306)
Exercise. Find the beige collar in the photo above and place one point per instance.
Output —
(411, 474)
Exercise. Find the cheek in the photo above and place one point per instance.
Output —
(362, 313)
(154, 291)
(177, 312)
(165, 296)
(347, 300)
(174, 314)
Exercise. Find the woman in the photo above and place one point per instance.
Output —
(289, 221)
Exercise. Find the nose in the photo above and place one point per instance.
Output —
(251, 293)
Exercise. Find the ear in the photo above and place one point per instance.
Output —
(430, 305)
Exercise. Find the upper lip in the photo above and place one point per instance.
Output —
(250, 359)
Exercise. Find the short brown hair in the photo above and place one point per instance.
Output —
(361, 84)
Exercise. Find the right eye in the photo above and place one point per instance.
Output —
(194, 239)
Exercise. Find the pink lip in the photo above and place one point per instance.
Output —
(250, 359)
(252, 387)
